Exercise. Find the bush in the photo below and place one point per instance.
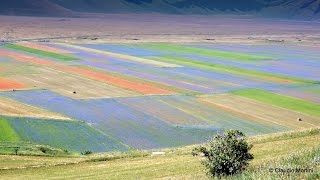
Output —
(43, 149)
(86, 152)
(226, 154)
(16, 150)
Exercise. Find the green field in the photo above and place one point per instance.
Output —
(204, 52)
(312, 89)
(281, 101)
(230, 69)
(73, 136)
(40, 52)
(7, 133)
(293, 149)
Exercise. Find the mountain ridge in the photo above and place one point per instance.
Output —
(300, 9)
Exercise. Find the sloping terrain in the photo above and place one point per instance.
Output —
(305, 9)
(291, 150)
(32, 7)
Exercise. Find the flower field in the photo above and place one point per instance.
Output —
(116, 97)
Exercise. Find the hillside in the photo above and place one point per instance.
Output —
(32, 7)
(270, 8)
(300, 150)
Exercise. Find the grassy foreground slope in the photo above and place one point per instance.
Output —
(292, 149)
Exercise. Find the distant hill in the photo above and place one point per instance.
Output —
(302, 9)
(33, 7)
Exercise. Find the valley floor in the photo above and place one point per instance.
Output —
(138, 82)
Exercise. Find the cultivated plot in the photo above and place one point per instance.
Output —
(13, 108)
(153, 95)
(68, 135)
(71, 85)
(258, 111)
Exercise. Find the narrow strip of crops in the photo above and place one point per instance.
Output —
(44, 47)
(281, 101)
(204, 52)
(7, 133)
(123, 56)
(234, 70)
(8, 84)
(41, 52)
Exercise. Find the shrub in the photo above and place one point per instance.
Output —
(86, 152)
(43, 149)
(16, 150)
(226, 154)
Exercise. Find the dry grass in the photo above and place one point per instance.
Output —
(176, 164)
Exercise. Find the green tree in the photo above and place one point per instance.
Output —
(226, 154)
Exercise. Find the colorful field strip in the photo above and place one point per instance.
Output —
(234, 70)
(124, 56)
(7, 134)
(129, 49)
(157, 108)
(8, 84)
(69, 135)
(15, 68)
(123, 83)
(9, 107)
(301, 92)
(203, 52)
(134, 86)
(72, 85)
(288, 102)
(40, 52)
(179, 86)
(261, 112)
(44, 47)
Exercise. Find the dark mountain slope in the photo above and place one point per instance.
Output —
(308, 9)
(222, 5)
(34, 7)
